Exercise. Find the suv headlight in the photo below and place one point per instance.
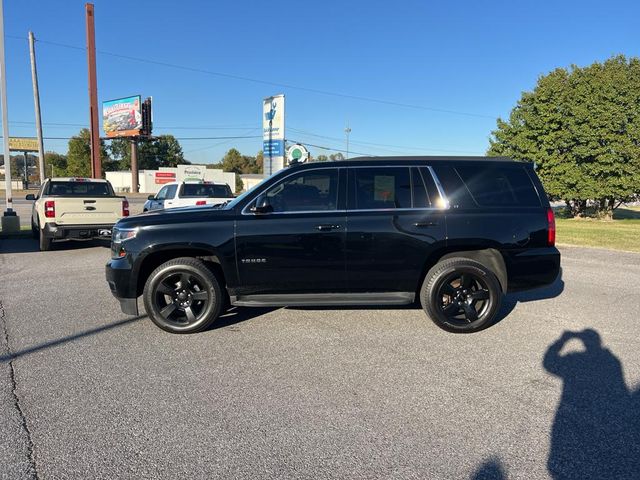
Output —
(119, 235)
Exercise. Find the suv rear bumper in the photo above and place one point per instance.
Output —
(531, 268)
(76, 232)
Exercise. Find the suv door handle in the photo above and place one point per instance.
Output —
(327, 227)
(425, 224)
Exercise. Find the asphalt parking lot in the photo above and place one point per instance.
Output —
(87, 392)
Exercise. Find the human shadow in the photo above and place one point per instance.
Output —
(491, 469)
(596, 430)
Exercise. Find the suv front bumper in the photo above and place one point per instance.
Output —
(118, 273)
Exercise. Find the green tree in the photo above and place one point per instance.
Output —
(321, 158)
(153, 153)
(582, 128)
(79, 155)
(55, 164)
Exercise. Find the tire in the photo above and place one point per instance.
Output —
(177, 308)
(461, 295)
(45, 242)
(34, 231)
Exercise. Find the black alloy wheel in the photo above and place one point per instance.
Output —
(461, 295)
(183, 296)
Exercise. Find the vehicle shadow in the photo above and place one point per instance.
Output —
(510, 300)
(30, 245)
(234, 315)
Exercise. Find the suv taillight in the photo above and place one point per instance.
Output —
(50, 209)
(201, 202)
(551, 227)
(125, 208)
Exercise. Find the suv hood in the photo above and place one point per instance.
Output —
(175, 215)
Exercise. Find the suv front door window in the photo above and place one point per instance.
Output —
(306, 192)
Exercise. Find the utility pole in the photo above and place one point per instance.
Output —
(10, 221)
(347, 131)
(134, 165)
(96, 167)
(36, 102)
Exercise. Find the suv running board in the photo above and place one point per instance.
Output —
(324, 299)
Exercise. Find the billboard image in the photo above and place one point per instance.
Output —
(122, 117)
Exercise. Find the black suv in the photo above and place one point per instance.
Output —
(454, 232)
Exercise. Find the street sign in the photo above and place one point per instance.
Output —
(23, 144)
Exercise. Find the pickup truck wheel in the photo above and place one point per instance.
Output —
(34, 230)
(461, 295)
(45, 243)
(183, 296)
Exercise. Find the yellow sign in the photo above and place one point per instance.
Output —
(23, 144)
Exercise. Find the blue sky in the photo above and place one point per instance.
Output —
(471, 57)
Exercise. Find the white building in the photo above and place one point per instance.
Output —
(151, 181)
(250, 180)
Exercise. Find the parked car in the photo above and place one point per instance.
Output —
(454, 233)
(185, 194)
(73, 208)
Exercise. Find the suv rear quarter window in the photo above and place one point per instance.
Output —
(499, 186)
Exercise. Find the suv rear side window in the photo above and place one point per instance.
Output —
(454, 189)
(499, 186)
(316, 190)
(382, 188)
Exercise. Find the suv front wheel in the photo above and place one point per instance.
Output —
(461, 295)
(183, 296)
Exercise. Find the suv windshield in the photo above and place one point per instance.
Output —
(206, 190)
(79, 189)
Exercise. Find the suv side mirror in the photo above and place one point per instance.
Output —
(262, 204)
(151, 197)
(31, 196)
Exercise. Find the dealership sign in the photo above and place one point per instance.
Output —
(273, 133)
(23, 144)
(122, 117)
(297, 154)
(164, 177)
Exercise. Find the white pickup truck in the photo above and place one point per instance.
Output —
(186, 194)
(75, 209)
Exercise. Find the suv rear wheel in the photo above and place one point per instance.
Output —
(461, 295)
(183, 296)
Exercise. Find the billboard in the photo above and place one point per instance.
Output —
(23, 144)
(122, 117)
(273, 133)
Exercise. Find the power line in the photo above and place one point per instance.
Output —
(382, 144)
(330, 149)
(266, 82)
